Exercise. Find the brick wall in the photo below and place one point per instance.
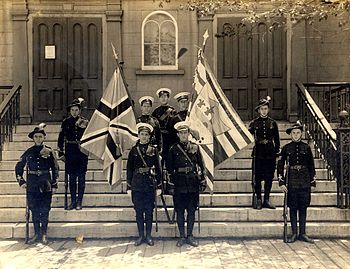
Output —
(6, 43)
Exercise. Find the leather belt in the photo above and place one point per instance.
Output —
(298, 167)
(73, 142)
(264, 141)
(164, 131)
(184, 169)
(38, 172)
(142, 170)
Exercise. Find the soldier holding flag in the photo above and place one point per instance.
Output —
(187, 172)
(72, 130)
(267, 146)
(143, 179)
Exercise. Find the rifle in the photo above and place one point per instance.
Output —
(65, 183)
(199, 173)
(285, 208)
(254, 198)
(27, 212)
(154, 181)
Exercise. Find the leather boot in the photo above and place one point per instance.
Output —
(305, 238)
(79, 205)
(192, 242)
(33, 240)
(258, 204)
(181, 242)
(139, 241)
(292, 239)
(268, 204)
(149, 240)
(44, 240)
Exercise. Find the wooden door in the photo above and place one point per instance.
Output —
(76, 70)
(252, 65)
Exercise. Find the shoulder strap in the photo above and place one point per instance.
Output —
(184, 152)
(165, 114)
(141, 156)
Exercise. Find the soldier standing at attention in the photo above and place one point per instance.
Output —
(182, 99)
(146, 103)
(143, 179)
(163, 114)
(72, 130)
(267, 146)
(301, 177)
(41, 183)
(186, 170)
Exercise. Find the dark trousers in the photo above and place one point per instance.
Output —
(298, 201)
(73, 179)
(264, 171)
(40, 204)
(143, 205)
(188, 202)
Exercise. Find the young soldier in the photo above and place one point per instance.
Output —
(301, 177)
(146, 103)
(267, 146)
(72, 130)
(163, 114)
(40, 183)
(143, 177)
(182, 100)
(186, 169)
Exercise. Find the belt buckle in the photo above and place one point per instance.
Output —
(188, 169)
(38, 173)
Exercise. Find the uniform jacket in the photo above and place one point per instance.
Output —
(301, 165)
(185, 181)
(267, 140)
(164, 115)
(156, 137)
(143, 180)
(178, 116)
(39, 159)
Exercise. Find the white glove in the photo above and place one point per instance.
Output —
(54, 190)
(128, 192)
(284, 188)
(24, 186)
(158, 192)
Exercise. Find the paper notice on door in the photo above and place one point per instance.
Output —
(50, 52)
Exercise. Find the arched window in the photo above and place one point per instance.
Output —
(159, 42)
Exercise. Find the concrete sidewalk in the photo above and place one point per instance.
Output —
(210, 254)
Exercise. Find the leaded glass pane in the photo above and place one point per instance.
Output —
(167, 54)
(151, 54)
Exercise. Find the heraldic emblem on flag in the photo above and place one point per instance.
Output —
(222, 132)
(112, 129)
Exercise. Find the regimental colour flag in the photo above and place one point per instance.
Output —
(222, 132)
(112, 129)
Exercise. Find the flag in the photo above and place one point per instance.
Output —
(222, 132)
(112, 129)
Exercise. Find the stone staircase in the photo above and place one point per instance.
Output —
(109, 214)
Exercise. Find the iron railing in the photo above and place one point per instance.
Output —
(330, 97)
(318, 129)
(9, 114)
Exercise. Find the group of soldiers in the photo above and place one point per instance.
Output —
(164, 145)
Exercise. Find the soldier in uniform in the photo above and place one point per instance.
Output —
(40, 183)
(72, 130)
(164, 114)
(143, 180)
(267, 146)
(182, 99)
(146, 103)
(186, 170)
(301, 177)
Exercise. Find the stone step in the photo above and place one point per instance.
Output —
(222, 214)
(230, 199)
(212, 229)
(26, 128)
(219, 187)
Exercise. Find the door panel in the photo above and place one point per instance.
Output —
(251, 65)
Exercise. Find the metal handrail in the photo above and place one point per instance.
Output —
(318, 129)
(9, 114)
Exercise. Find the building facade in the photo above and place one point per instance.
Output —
(61, 49)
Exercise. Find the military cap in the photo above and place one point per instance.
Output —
(76, 102)
(263, 102)
(163, 91)
(181, 95)
(182, 126)
(296, 125)
(37, 129)
(141, 126)
(148, 99)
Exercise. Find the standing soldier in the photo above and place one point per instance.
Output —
(40, 184)
(143, 179)
(146, 103)
(72, 130)
(163, 114)
(267, 146)
(301, 177)
(182, 100)
(186, 170)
